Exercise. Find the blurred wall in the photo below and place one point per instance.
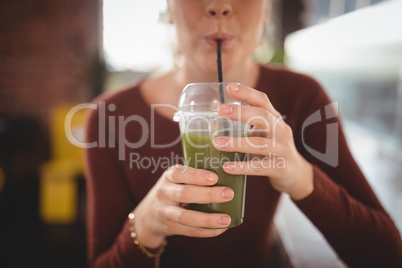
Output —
(49, 54)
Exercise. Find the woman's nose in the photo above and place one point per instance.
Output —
(219, 9)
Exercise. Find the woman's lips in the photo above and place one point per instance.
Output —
(211, 39)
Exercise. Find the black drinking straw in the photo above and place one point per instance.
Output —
(220, 79)
(219, 65)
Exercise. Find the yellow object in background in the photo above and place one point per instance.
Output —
(62, 148)
(58, 180)
(58, 192)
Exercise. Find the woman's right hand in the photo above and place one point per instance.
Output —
(162, 212)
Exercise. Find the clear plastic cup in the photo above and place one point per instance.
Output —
(199, 124)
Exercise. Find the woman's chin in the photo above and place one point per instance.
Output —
(212, 68)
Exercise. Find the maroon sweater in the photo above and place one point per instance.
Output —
(342, 206)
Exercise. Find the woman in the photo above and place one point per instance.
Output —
(125, 173)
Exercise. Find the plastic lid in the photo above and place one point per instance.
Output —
(202, 98)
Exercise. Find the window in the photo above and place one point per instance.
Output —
(136, 35)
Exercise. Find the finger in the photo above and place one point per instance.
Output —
(196, 219)
(183, 193)
(251, 145)
(252, 96)
(267, 166)
(250, 115)
(174, 228)
(257, 132)
(188, 175)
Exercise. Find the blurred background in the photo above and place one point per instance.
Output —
(57, 54)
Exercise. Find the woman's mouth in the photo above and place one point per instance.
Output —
(213, 38)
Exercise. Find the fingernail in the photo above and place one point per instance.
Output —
(228, 193)
(224, 220)
(234, 87)
(228, 166)
(221, 142)
(212, 177)
(227, 109)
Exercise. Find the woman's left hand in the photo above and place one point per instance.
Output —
(271, 148)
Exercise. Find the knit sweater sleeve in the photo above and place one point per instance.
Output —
(109, 202)
(343, 206)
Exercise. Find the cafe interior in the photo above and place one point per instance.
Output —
(55, 55)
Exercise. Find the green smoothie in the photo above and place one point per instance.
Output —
(200, 153)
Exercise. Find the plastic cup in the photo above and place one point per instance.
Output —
(199, 124)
